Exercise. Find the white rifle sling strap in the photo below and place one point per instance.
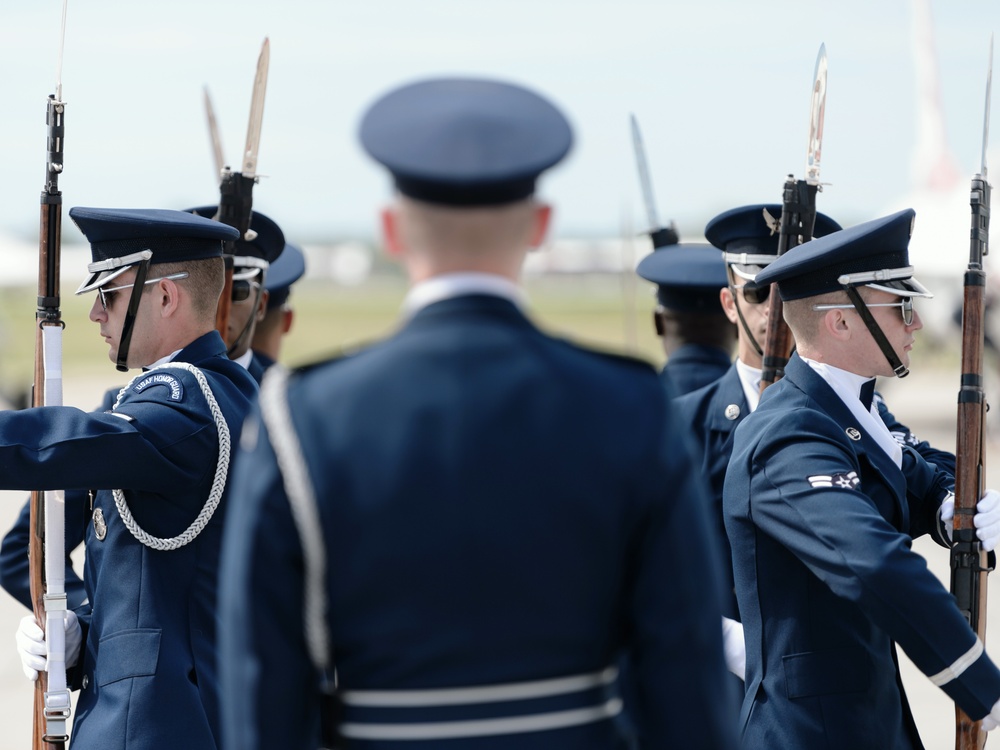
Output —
(277, 418)
(57, 697)
(218, 483)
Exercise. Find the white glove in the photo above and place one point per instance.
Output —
(734, 647)
(987, 519)
(992, 720)
(31, 644)
(947, 513)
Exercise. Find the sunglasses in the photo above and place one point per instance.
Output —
(107, 296)
(905, 307)
(752, 293)
(242, 289)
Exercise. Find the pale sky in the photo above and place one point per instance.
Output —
(720, 87)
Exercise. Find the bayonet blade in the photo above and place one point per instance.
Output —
(213, 135)
(59, 58)
(644, 181)
(256, 112)
(986, 117)
(817, 111)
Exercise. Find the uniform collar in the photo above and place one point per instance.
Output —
(244, 359)
(847, 386)
(452, 285)
(750, 380)
(162, 360)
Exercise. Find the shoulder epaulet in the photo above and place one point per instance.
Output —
(341, 354)
(612, 354)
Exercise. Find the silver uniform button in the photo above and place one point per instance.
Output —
(100, 527)
(732, 411)
(86, 681)
(853, 433)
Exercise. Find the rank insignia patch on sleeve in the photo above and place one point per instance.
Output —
(905, 438)
(847, 481)
(164, 379)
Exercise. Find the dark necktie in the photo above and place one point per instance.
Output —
(867, 393)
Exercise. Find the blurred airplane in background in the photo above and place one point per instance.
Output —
(939, 193)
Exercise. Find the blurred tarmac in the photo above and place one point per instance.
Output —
(925, 401)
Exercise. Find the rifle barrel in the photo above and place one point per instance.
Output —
(969, 564)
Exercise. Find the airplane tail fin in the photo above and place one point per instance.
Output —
(934, 166)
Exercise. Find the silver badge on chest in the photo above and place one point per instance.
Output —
(732, 412)
(853, 433)
(100, 527)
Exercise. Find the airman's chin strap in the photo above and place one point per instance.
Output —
(246, 328)
(897, 366)
(746, 328)
(133, 305)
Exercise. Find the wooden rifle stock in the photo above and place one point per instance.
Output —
(969, 564)
(798, 216)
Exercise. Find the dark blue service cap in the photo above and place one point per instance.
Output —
(688, 277)
(285, 271)
(875, 253)
(119, 236)
(465, 141)
(268, 243)
(748, 235)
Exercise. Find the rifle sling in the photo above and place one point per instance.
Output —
(743, 322)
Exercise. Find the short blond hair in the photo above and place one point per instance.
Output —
(804, 321)
(204, 283)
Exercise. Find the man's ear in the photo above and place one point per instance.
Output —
(540, 225)
(728, 302)
(167, 294)
(836, 323)
(262, 305)
(390, 232)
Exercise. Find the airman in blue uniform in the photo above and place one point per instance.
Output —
(277, 321)
(14, 578)
(748, 242)
(697, 338)
(266, 247)
(821, 503)
(472, 519)
(156, 466)
(251, 261)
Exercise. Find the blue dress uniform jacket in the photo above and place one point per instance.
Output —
(147, 672)
(497, 507)
(14, 573)
(258, 366)
(820, 520)
(694, 366)
(15, 576)
(712, 413)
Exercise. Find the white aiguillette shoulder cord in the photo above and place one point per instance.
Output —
(218, 484)
(302, 499)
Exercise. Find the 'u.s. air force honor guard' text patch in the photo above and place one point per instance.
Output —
(164, 379)
(848, 481)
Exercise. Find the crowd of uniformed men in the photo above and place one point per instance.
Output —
(473, 534)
